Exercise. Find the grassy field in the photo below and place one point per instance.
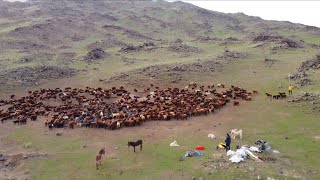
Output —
(260, 119)
(288, 127)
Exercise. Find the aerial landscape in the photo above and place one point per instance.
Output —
(149, 89)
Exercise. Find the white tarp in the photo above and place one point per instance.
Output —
(231, 153)
(236, 159)
(254, 149)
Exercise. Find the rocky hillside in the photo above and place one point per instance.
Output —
(60, 34)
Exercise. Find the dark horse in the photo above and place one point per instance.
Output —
(134, 144)
(99, 157)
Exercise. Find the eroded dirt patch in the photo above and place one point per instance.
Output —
(284, 41)
(300, 76)
(10, 163)
(95, 54)
(31, 75)
(147, 46)
(175, 72)
(183, 48)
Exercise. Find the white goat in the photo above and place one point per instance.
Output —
(236, 132)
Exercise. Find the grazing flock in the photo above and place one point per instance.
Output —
(116, 107)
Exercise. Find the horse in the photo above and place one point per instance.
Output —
(269, 95)
(16, 122)
(71, 124)
(276, 97)
(282, 95)
(50, 126)
(99, 157)
(134, 144)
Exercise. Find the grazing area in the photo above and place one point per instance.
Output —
(149, 90)
(76, 107)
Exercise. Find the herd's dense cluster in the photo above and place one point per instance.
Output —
(92, 107)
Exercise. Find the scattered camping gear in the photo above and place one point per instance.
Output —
(200, 148)
(191, 153)
(238, 156)
(252, 156)
(244, 152)
(221, 146)
(174, 144)
(260, 143)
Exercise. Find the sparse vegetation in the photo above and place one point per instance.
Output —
(49, 40)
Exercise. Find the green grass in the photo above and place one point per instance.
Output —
(44, 141)
(271, 121)
(259, 119)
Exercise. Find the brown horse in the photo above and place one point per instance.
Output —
(71, 124)
(99, 157)
(134, 144)
(269, 95)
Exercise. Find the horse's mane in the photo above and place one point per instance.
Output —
(101, 151)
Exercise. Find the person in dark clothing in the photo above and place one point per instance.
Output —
(228, 142)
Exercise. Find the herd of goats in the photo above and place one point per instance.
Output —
(92, 107)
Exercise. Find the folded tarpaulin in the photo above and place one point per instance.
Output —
(191, 153)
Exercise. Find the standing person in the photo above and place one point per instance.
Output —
(290, 89)
(228, 142)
